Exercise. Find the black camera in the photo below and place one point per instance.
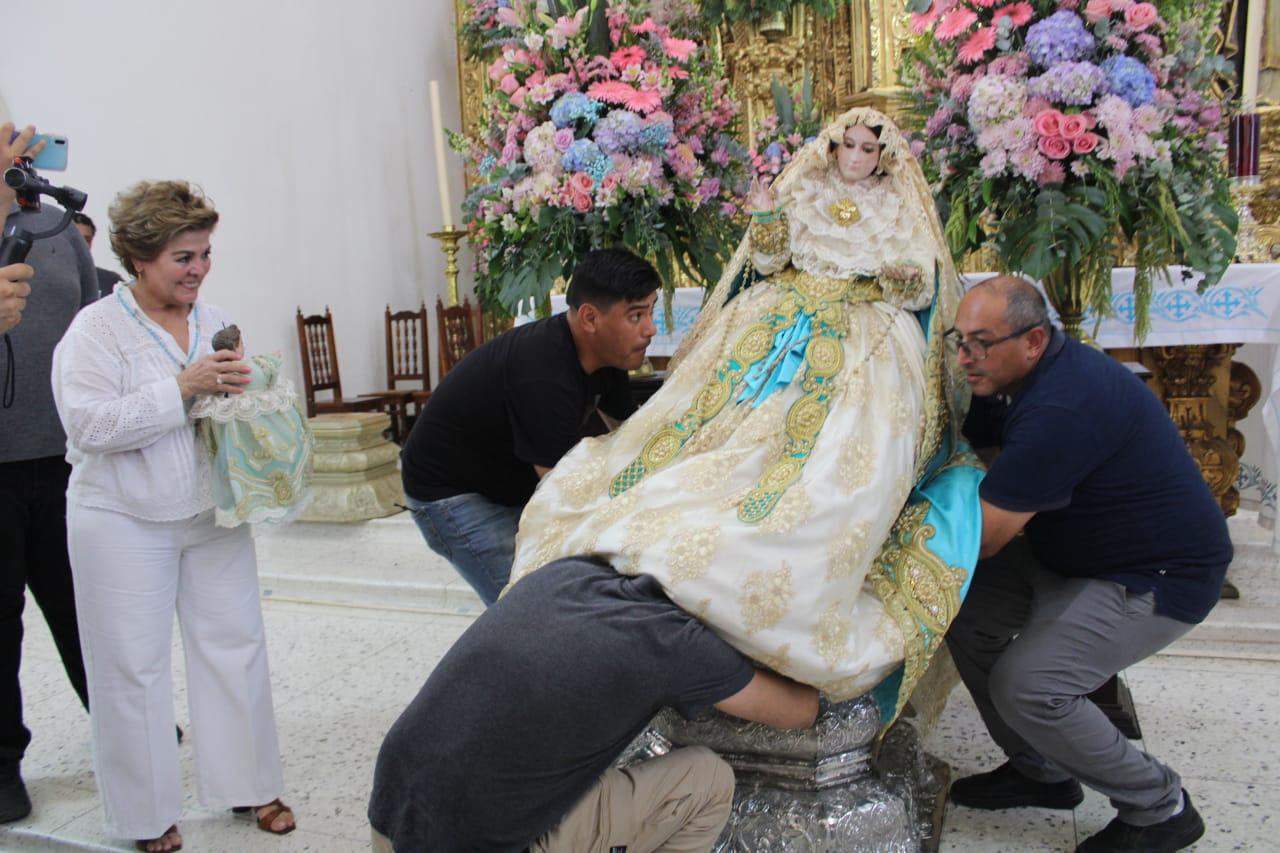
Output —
(29, 186)
(17, 242)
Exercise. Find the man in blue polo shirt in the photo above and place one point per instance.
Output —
(1124, 550)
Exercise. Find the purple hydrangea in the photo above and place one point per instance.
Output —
(1130, 79)
(582, 156)
(1073, 83)
(995, 98)
(1061, 37)
(572, 106)
(618, 132)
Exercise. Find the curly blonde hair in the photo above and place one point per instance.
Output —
(148, 215)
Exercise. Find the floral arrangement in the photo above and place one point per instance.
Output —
(607, 125)
(1057, 130)
(795, 121)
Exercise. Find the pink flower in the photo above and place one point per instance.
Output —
(1072, 126)
(1048, 122)
(955, 23)
(582, 203)
(627, 56)
(976, 46)
(679, 49)
(917, 148)
(563, 139)
(1116, 43)
(1139, 16)
(962, 87)
(498, 69)
(1035, 106)
(1052, 173)
(580, 183)
(1096, 10)
(729, 209)
(922, 21)
(645, 26)
(616, 92)
(1211, 115)
(985, 4)
(1085, 143)
(1054, 147)
(509, 84)
(1019, 13)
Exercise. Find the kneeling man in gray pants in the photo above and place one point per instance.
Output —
(1123, 550)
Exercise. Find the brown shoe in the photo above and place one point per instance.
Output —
(267, 815)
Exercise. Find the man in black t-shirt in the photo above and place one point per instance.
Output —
(509, 744)
(107, 280)
(507, 412)
(1124, 550)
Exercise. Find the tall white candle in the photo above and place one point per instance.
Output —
(1252, 54)
(442, 174)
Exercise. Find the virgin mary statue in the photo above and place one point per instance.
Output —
(798, 482)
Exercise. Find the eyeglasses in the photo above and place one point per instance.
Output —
(978, 349)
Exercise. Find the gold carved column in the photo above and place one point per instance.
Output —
(1207, 395)
(852, 57)
(1263, 245)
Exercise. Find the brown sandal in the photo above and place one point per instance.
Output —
(266, 816)
(142, 843)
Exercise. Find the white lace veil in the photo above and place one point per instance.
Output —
(947, 392)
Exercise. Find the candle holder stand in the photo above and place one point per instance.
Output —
(449, 239)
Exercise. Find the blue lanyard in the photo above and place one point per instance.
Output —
(195, 340)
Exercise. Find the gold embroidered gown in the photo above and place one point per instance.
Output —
(761, 511)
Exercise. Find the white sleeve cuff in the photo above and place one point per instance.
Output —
(171, 413)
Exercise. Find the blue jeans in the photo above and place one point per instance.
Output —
(473, 533)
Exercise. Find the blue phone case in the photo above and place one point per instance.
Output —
(54, 156)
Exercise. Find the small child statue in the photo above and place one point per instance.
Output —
(259, 442)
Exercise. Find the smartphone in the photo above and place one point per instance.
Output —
(54, 156)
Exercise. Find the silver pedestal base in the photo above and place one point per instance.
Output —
(816, 790)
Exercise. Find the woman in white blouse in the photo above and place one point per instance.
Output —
(142, 538)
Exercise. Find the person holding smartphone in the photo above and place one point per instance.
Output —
(33, 470)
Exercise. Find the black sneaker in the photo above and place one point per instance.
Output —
(14, 802)
(1181, 830)
(1006, 788)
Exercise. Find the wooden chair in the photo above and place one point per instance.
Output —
(459, 332)
(407, 356)
(320, 373)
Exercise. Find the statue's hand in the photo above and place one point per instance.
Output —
(760, 197)
(902, 273)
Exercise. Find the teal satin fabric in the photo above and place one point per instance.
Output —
(779, 367)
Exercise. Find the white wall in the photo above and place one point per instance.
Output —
(307, 124)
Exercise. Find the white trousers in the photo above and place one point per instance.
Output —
(131, 576)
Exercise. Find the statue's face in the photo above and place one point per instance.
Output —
(858, 154)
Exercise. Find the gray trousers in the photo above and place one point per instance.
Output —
(1030, 645)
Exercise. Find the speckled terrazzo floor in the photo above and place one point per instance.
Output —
(357, 615)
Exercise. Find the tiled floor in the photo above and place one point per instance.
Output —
(357, 616)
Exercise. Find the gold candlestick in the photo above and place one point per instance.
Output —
(449, 238)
